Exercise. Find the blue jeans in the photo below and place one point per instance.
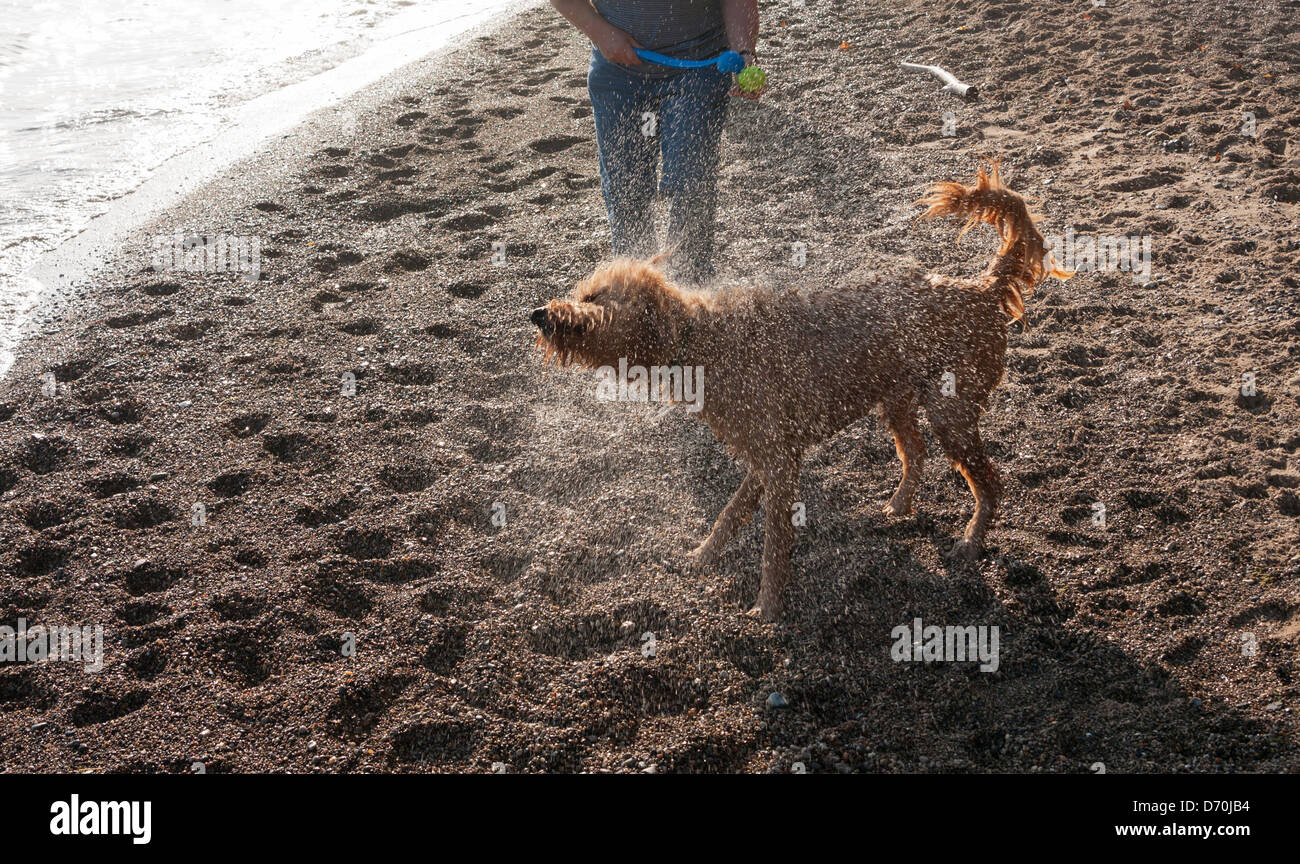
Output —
(686, 112)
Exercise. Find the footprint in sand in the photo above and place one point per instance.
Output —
(329, 513)
(1141, 182)
(123, 411)
(471, 220)
(100, 706)
(514, 184)
(192, 330)
(247, 425)
(150, 660)
(408, 372)
(161, 289)
(242, 653)
(237, 605)
(338, 595)
(333, 257)
(408, 260)
(41, 558)
(365, 544)
(291, 446)
(413, 475)
(333, 171)
(361, 327)
(50, 514)
(556, 143)
(130, 445)
(230, 484)
(393, 207)
(137, 613)
(138, 513)
(467, 290)
(285, 366)
(360, 705)
(136, 319)
(358, 287)
(71, 370)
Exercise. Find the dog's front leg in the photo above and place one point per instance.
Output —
(901, 417)
(739, 510)
(781, 485)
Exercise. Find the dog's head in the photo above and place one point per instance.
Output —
(623, 310)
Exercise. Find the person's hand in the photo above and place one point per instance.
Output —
(617, 47)
(748, 94)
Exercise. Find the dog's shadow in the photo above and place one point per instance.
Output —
(1063, 697)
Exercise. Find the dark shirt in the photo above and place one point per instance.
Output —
(685, 29)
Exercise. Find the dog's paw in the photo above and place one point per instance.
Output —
(769, 612)
(701, 556)
(896, 508)
(965, 550)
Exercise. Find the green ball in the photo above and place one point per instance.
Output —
(751, 78)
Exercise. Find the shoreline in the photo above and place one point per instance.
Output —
(453, 564)
(94, 249)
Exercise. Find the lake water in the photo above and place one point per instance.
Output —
(96, 95)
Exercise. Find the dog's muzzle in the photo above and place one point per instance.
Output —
(542, 319)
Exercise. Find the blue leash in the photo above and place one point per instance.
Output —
(727, 61)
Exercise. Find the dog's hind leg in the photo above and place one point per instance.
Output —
(780, 486)
(900, 417)
(956, 425)
(737, 512)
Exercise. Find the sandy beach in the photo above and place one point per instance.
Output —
(419, 551)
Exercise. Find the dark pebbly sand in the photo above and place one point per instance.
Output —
(334, 520)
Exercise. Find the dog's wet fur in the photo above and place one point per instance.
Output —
(787, 369)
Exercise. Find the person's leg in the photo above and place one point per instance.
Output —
(692, 114)
(628, 156)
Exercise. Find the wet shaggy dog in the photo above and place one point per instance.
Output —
(785, 370)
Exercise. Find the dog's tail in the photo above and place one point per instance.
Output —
(1022, 261)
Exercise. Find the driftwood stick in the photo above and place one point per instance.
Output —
(950, 82)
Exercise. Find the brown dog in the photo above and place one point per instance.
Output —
(785, 370)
